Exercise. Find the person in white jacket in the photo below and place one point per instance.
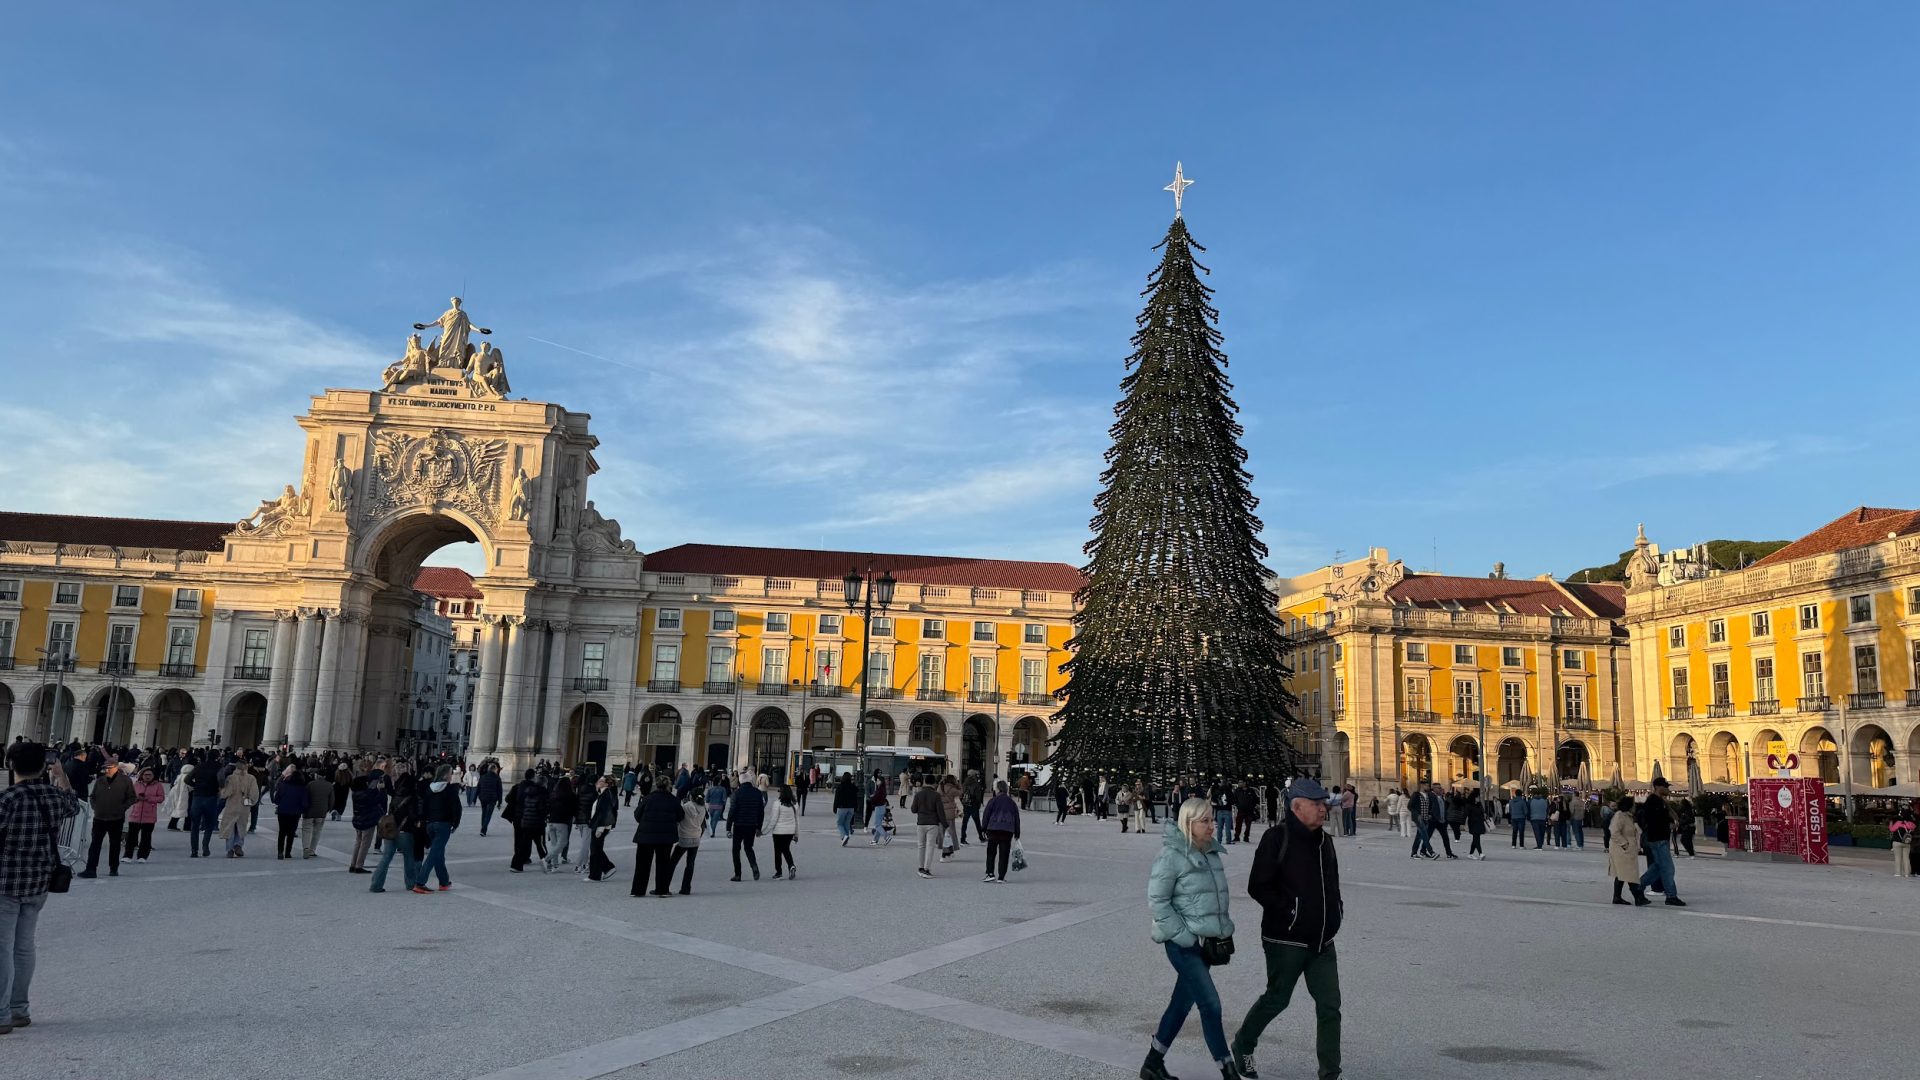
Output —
(1394, 806)
(783, 824)
(175, 807)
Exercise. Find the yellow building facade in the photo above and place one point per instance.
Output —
(1407, 677)
(1813, 651)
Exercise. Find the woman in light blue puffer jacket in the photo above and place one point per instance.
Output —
(1187, 894)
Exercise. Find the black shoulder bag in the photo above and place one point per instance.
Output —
(60, 879)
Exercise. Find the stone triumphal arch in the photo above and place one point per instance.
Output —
(438, 455)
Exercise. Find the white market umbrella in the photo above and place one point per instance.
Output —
(1586, 777)
(1694, 787)
(1617, 781)
(1657, 775)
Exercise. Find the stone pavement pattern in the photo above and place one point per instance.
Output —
(1512, 967)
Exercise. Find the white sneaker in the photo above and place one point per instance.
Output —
(988, 878)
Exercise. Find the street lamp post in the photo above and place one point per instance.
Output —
(59, 657)
(876, 590)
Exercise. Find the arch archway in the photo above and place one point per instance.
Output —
(246, 724)
(1029, 740)
(110, 718)
(1726, 759)
(1683, 747)
(393, 550)
(1511, 765)
(659, 735)
(1416, 761)
(878, 729)
(928, 730)
(1571, 755)
(823, 729)
(1819, 754)
(1765, 741)
(173, 719)
(767, 748)
(713, 737)
(1873, 757)
(1463, 758)
(976, 745)
(52, 709)
(7, 719)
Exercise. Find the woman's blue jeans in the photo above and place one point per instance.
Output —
(844, 818)
(1193, 985)
(401, 844)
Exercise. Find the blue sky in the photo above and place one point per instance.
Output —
(1498, 281)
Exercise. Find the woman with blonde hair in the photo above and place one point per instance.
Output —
(1187, 896)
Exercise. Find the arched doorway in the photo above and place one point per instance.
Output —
(173, 719)
(1339, 767)
(976, 746)
(1820, 755)
(112, 719)
(713, 737)
(247, 719)
(1679, 751)
(878, 729)
(1873, 762)
(823, 729)
(1573, 755)
(1416, 761)
(1913, 756)
(6, 711)
(768, 748)
(1029, 740)
(53, 714)
(1511, 766)
(1463, 758)
(1765, 741)
(659, 736)
(928, 730)
(1726, 759)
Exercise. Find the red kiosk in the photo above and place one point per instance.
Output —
(1788, 813)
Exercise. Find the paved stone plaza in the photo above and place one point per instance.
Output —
(1511, 967)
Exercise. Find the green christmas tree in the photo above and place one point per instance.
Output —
(1176, 661)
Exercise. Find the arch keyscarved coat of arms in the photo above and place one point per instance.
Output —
(440, 470)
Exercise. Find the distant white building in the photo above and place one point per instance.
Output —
(456, 602)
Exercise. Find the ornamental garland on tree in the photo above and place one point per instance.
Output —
(1176, 662)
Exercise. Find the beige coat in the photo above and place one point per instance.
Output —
(1623, 847)
(241, 792)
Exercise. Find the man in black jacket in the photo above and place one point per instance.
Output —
(749, 809)
(1656, 835)
(560, 810)
(1296, 880)
(527, 812)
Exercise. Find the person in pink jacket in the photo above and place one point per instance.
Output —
(148, 794)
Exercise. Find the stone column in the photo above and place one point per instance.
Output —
(956, 739)
(6, 721)
(351, 660)
(305, 678)
(486, 693)
(213, 680)
(1004, 746)
(515, 701)
(142, 725)
(549, 740)
(327, 688)
(280, 679)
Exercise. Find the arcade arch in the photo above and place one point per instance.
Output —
(110, 716)
(246, 723)
(1416, 761)
(767, 750)
(1726, 759)
(1463, 758)
(713, 737)
(1511, 765)
(976, 746)
(928, 730)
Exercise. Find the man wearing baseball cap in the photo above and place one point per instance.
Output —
(1655, 819)
(1296, 880)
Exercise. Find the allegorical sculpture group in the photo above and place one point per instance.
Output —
(482, 368)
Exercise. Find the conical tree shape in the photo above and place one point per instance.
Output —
(1177, 647)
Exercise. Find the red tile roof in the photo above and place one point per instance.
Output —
(446, 582)
(830, 565)
(1527, 597)
(1604, 599)
(1858, 527)
(75, 530)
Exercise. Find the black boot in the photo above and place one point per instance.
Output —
(1640, 895)
(1155, 1067)
(1617, 883)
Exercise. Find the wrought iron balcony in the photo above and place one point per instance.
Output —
(654, 686)
(591, 684)
(989, 697)
(716, 687)
(1816, 703)
(179, 671)
(1871, 700)
(116, 667)
(56, 663)
(1516, 720)
(1579, 723)
(1720, 710)
(820, 689)
(882, 693)
(1680, 712)
(1419, 716)
(252, 674)
(1766, 707)
(1036, 699)
(1913, 699)
(773, 689)
(1472, 719)
(925, 694)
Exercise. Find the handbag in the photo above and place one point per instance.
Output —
(387, 827)
(1019, 856)
(1216, 951)
(60, 879)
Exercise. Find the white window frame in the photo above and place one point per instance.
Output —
(720, 661)
(122, 651)
(176, 648)
(8, 629)
(1680, 684)
(9, 590)
(1716, 631)
(1573, 700)
(933, 629)
(1720, 682)
(1416, 652)
(1872, 653)
(829, 624)
(192, 596)
(136, 597)
(1676, 637)
(879, 667)
(1765, 688)
(1417, 693)
(1573, 660)
(882, 626)
(79, 593)
(932, 663)
(980, 625)
(246, 652)
(980, 674)
(1817, 672)
(777, 622)
(1512, 656)
(1809, 617)
(724, 620)
(666, 663)
(668, 618)
(1463, 654)
(1761, 624)
(1033, 676)
(66, 640)
(773, 658)
(1033, 633)
(1851, 613)
(825, 666)
(593, 660)
(1466, 695)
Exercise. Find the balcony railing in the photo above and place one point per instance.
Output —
(1913, 699)
(54, 663)
(1419, 716)
(1516, 720)
(716, 687)
(1579, 723)
(1871, 700)
(1720, 710)
(1036, 699)
(1816, 703)
(654, 686)
(252, 674)
(1472, 719)
(773, 689)
(1680, 712)
(882, 693)
(6, 663)
(927, 694)
(990, 697)
(591, 684)
(1766, 707)
(179, 671)
(116, 667)
(824, 689)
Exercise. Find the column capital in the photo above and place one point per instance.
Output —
(286, 614)
(223, 614)
(559, 626)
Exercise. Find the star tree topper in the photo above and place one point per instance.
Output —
(1178, 187)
